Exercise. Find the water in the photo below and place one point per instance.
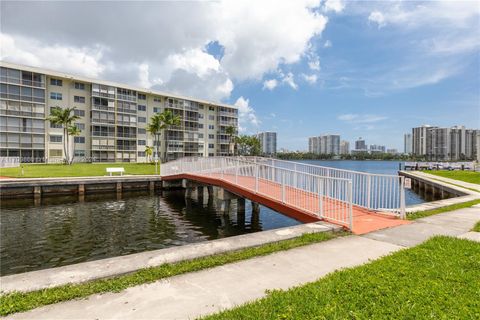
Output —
(380, 167)
(63, 231)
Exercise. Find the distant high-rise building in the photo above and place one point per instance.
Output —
(392, 151)
(344, 147)
(360, 145)
(268, 142)
(444, 144)
(377, 149)
(407, 143)
(324, 144)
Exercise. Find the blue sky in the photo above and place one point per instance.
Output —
(301, 68)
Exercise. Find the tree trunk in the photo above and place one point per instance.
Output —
(64, 144)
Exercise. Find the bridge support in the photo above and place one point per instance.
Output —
(241, 213)
(255, 218)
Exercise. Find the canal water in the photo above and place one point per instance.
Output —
(63, 231)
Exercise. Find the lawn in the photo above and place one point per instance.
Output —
(19, 301)
(438, 279)
(74, 170)
(476, 227)
(426, 213)
(467, 176)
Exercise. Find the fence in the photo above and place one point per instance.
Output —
(328, 198)
(9, 162)
(380, 192)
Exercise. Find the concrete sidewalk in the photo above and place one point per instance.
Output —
(194, 294)
(451, 181)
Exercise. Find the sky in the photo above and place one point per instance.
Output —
(301, 68)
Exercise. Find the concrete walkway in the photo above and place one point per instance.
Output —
(451, 181)
(191, 295)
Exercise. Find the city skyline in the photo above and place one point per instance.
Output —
(411, 63)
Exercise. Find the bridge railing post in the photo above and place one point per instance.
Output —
(350, 204)
(236, 171)
(256, 178)
(320, 197)
(283, 187)
(402, 198)
(369, 190)
(222, 165)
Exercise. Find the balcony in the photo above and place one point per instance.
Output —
(103, 108)
(103, 121)
(127, 97)
(22, 113)
(103, 134)
(22, 129)
(227, 123)
(126, 148)
(102, 147)
(130, 111)
(30, 83)
(127, 123)
(22, 98)
(228, 114)
(126, 135)
(103, 94)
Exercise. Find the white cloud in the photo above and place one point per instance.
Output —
(361, 118)
(327, 44)
(270, 84)
(79, 60)
(194, 61)
(289, 79)
(311, 79)
(378, 18)
(334, 5)
(246, 115)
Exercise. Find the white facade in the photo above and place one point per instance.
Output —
(324, 144)
(268, 142)
(407, 143)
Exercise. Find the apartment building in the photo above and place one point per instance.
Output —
(445, 144)
(268, 142)
(113, 119)
(344, 147)
(374, 148)
(324, 144)
(407, 143)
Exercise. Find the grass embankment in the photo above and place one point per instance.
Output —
(466, 176)
(75, 170)
(17, 301)
(426, 213)
(438, 279)
(476, 228)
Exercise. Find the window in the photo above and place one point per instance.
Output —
(79, 153)
(56, 82)
(141, 153)
(80, 126)
(55, 126)
(200, 126)
(211, 108)
(142, 131)
(142, 142)
(200, 116)
(142, 119)
(211, 136)
(211, 127)
(200, 106)
(211, 146)
(200, 135)
(156, 110)
(157, 100)
(141, 107)
(55, 153)
(80, 113)
(55, 139)
(79, 86)
(55, 96)
(211, 154)
(79, 139)
(211, 117)
(142, 96)
(79, 99)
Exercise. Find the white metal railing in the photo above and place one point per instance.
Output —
(327, 198)
(9, 162)
(379, 192)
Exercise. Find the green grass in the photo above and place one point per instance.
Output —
(477, 227)
(74, 170)
(426, 213)
(18, 301)
(438, 279)
(466, 176)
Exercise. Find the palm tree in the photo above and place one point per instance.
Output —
(231, 131)
(73, 131)
(64, 118)
(159, 122)
(149, 152)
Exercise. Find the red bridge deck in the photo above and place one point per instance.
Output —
(298, 204)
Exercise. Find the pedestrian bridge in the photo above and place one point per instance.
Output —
(361, 202)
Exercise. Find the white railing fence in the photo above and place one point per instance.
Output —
(380, 192)
(324, 197)
(9, 162)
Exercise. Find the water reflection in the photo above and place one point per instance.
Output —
(62, 230)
